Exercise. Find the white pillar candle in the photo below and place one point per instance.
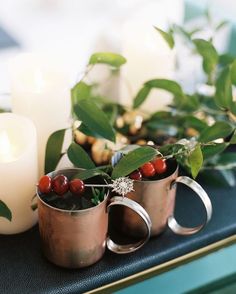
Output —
(40, 87)
(148, 55)
(18, 171)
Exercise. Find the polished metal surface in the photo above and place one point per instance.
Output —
(73, 239)
(172, 223)
(141, 212)
(78, 238)
(157, 197)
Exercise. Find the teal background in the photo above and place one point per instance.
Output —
(214, 272)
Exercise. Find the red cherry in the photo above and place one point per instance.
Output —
(45, 185)
(147, 170)
(136, 175)
(77, 186)
(159, 165)
(60, 184)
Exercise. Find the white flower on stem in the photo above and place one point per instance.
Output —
(122, 185)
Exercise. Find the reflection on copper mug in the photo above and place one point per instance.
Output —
(157, 197)
(78, 238)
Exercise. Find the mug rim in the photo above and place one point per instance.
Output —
(77, 211)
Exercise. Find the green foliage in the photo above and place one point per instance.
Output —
(54, 150)
(227, 160)
(79, 157)
(133, 160)
(219, 130)
(90, 173)
(233, 138)
(112, 59)
(225, 59)
(79, 92)
(233, 72)
(223, 96)
(168, 85)
(208, 53)
(188, 115)
(141, 96)
(195, 161)
(221, 25)
(213, 149)
(164, 84)
(98, 195)
(167, 37)
(94, 119)
(5, 211)
(191, 121)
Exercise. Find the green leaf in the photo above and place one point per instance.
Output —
(233, 72)
(168, 37)
(5, 211)
(233, 138)
(85, 130)
(220, 129)
(90, 173)
(80, 91)
(227, 159)
(168, 85)
(111, 111)
(226, 59)
(133, 160)
(181, 100)
(169, 128)
(195, 161)
(221, 25)
(54, 150)
(233, 107)
(223, 97)
(193, 122)
(211, 150)
(187, 103)
(182, 31)
(115, 60)
(141, 96)
(170, 148)
(162, 115)
(79, 157)
(95, 119)
(208, 53)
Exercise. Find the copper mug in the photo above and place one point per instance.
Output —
(157, 197)
(78, 238)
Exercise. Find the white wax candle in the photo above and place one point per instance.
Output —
(40, 88)
(18, 171)
(148, 55)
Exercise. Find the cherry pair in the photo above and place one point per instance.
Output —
(60, 185)
(149, 169)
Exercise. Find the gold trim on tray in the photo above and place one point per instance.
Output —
(158, 269)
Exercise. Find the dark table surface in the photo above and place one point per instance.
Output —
(25, 270)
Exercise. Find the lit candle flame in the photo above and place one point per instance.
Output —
(6, 153)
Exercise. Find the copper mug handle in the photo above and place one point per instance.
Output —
(173, 224)
(128, 248)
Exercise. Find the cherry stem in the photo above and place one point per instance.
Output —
(98, 185)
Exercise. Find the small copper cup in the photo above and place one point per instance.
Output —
(157, 197)
(78, 238)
